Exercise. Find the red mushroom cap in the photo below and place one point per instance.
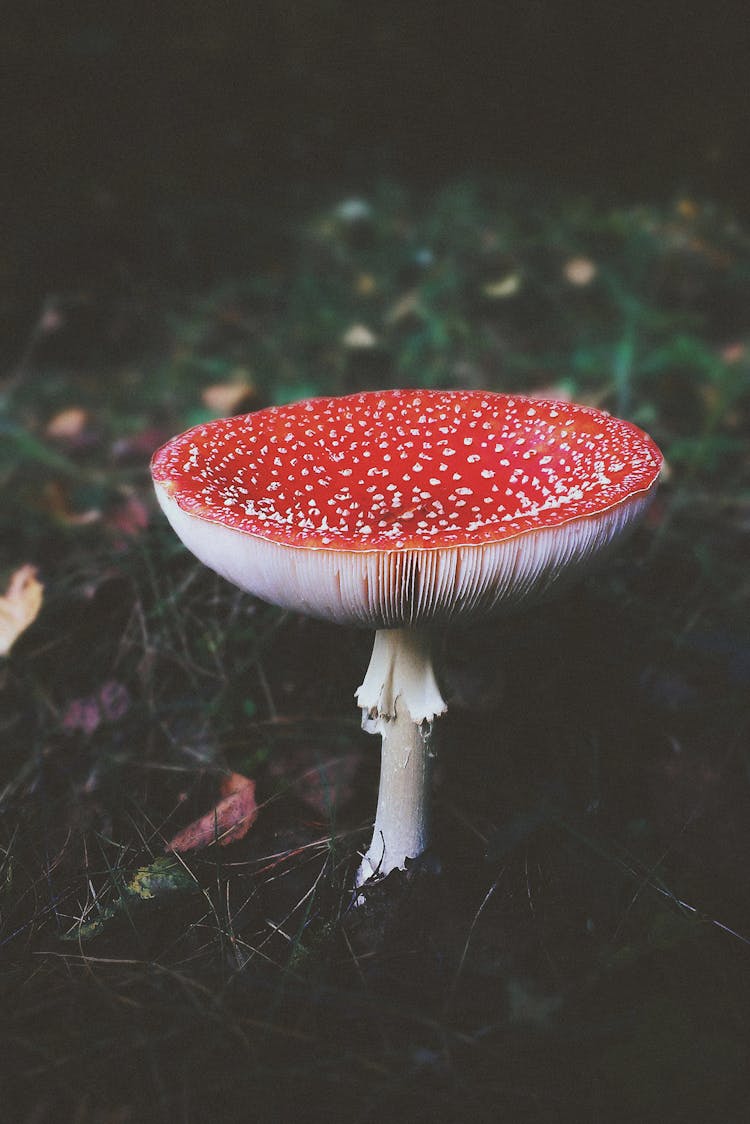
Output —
(403, 475)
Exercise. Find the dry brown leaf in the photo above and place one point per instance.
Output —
(687, 209)
(109, 704)
(733, 352)
(20, 606)
(229, 820)
(405, 307)
(326, 784)
(56, 502)
(365, 285)
(130, 516)
(580, 271)
(68, 424)
(224, 398)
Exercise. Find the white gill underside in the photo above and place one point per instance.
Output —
(387, 590)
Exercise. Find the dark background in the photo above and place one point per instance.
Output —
(119, 120)
(170, 190)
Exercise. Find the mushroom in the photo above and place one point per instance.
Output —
(403, 511)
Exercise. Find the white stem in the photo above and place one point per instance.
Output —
(400, 699)
(400, 665)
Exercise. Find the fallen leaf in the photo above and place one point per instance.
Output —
(716, 257)
(129, 517)
(358, 338)
(325, 784)
(81, 714)
(56, 502)
(365, 285)
(733, 352)
(19, 606)
(579, 271)
(108, 704)
(224, 398)
(687, 209)
(68, 424)
(407, 306)
(229, 820)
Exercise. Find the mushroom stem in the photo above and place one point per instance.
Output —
(400, 699)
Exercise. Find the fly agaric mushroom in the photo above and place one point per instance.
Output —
(403, 510)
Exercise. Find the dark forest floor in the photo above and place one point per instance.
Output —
(585, 953)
